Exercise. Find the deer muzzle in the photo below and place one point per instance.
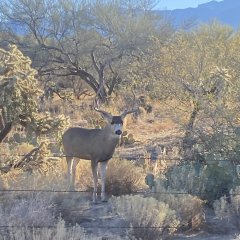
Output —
(118, 132)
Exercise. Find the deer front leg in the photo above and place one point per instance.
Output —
(95, 180)
(103, 180)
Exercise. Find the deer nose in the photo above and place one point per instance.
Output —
(118, 132)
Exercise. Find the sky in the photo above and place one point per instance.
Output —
(179, 4)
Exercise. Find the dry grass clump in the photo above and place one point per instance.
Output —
(32, 209)
(8, 179)
(188, 208)
(229, 208)
(84, 179)
(123, 177)
(148, 218)
(19, 179)
(22, 148)
(58, 231)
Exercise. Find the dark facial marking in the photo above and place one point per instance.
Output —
(117, 120)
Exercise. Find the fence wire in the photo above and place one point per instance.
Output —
(105, 227)
(160, 157)
(90, 191)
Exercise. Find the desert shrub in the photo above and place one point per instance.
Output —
(148, 218)
(58, 231)
(21, 148)
(8, 179)
(127, 138)
(229, 207)
(5, 154)
(123, 177)
(51, 179)
(27, 210)
(15, 153)
(210, 181)
(84, 179)
(30, 158)
(139, 114)
(188, 208)
(219, 180)
(185, 177)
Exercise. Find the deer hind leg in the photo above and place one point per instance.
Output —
(103, 169)
(72, 165)
(69, 172)
(94, 166)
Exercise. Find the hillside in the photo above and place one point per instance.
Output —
(226, 12)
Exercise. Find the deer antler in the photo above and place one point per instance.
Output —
(96, 108)
(134, 109)
(96, 105)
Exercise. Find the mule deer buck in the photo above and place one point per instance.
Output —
(97, 145)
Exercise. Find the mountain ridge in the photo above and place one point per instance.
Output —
(226, 12)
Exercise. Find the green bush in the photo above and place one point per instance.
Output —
(219, 179)
(210, 181)
(185, 177)
(229, 207)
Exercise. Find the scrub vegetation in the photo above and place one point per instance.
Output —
(177, 161)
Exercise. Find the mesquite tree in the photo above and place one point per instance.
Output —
(199, 71)
(91, 40)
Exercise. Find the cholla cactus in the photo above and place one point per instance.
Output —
(19, 95)
(19, 98)
(19, 89)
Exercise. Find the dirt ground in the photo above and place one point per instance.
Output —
(99, 220)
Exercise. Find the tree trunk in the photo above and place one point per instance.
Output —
(189, 140)
(5, 131)
(94, 84)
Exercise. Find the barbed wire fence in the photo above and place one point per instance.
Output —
(57, 155)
